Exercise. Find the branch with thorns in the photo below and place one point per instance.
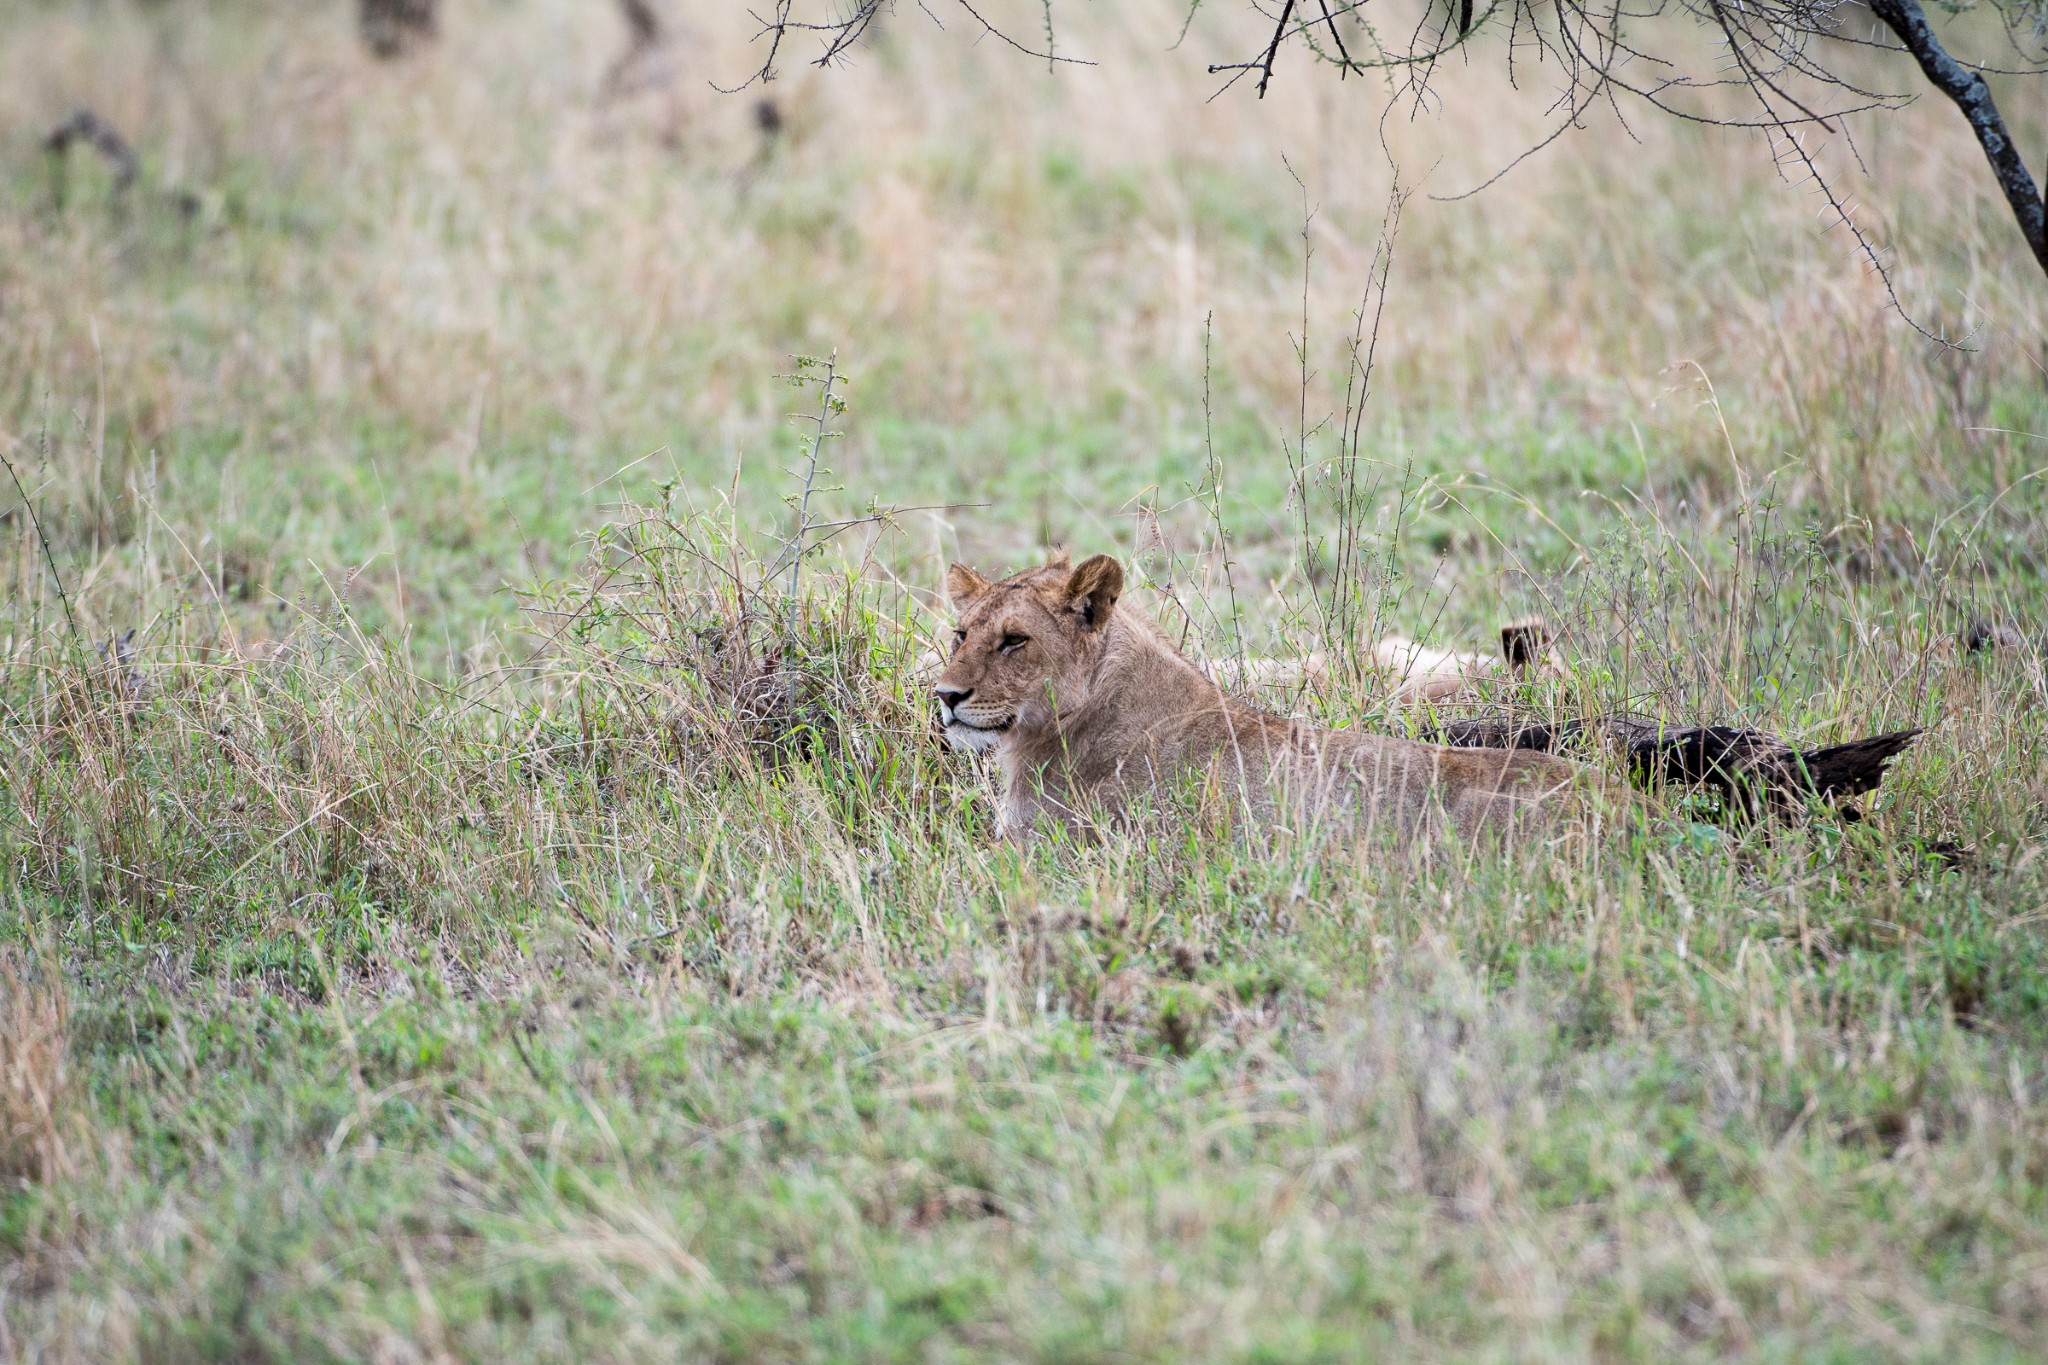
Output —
(1775, 52)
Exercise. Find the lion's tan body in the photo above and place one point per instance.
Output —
(1087, 708)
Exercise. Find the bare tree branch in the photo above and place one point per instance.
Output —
(1779, 54)
(1776, 53)
(1273, 48)
(847, 24)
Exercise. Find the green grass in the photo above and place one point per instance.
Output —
(444, 938)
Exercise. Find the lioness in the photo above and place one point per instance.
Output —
(1086, 707)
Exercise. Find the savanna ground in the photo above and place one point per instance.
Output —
(475, 917)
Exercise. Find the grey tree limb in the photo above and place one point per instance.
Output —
(1968, 90)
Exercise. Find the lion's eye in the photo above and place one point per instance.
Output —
(1012, 643)
(959, 639)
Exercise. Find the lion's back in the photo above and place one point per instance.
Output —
(1414, 784)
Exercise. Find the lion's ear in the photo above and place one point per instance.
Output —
(1060, 559)
(1523, 643)
(1093, 589)
(963, 585)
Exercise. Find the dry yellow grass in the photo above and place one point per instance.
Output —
(37, 1133)
(498, 256)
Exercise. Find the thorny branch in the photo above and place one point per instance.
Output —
(1781, 54)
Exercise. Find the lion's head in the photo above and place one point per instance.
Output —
(1024, 648)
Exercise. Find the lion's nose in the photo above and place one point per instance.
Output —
(951, 697)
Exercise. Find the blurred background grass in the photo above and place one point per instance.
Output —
(416, 324)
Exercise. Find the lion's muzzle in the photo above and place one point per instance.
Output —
(975, 729)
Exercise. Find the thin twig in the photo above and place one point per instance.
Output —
(43, 536)
(828, 406)
(1213, 476)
